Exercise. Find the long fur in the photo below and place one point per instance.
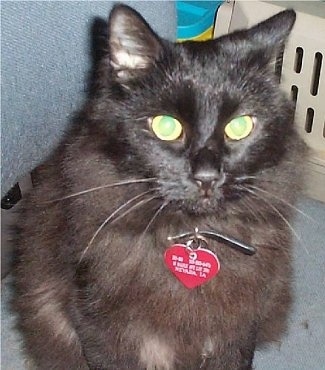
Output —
(92, 288)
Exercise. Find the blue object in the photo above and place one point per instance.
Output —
(195, 19)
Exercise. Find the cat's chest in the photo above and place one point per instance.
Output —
(172, 264)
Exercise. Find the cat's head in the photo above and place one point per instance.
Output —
(205, 118)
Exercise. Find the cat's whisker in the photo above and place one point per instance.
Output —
(250, 203)
(284, 202)
(283, 218)
(160, 209)
(115, 184)
(115, 212)
(259, 212)
(243, 178)
(248, 206)
(131, 209)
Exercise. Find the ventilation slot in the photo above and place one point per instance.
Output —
(316, 74)
(294, 94)
(298, 59)
(309, 120)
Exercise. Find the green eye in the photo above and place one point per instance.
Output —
(166, 128)
(239, 127)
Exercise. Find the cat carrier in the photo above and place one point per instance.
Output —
(300, 67)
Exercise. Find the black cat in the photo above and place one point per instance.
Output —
(192, 138)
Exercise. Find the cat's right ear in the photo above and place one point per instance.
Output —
(133, 46)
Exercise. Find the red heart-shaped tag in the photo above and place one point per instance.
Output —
(191, 267)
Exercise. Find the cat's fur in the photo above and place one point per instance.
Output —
(112, 303)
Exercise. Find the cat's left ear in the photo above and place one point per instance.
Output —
(133, 46)
(274, 31)
(268, 37)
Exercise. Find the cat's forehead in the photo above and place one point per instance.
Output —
(221, 80)
(209, 78)
(209, 69)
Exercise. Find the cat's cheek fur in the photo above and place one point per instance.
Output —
(175, 182)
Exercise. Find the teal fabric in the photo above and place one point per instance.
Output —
(195, 17)
(45, 50)
(301, 349)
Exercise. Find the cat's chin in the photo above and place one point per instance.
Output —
(200, 207)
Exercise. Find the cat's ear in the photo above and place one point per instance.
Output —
(260, 44)
(273, 32)
(133, 46)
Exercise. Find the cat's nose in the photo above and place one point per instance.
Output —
(206, 181)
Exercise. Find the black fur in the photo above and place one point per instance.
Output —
(92, 297)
